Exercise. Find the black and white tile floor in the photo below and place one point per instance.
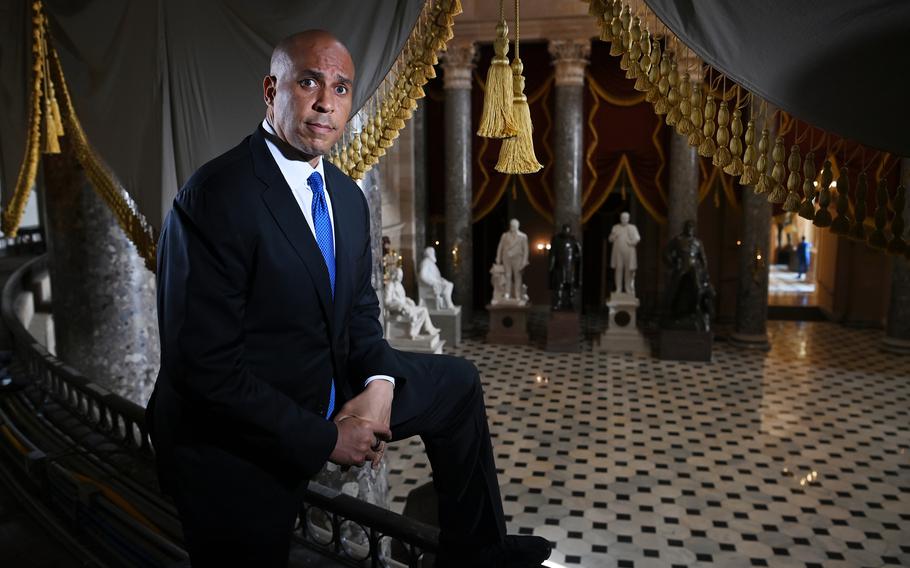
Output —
(795, 458)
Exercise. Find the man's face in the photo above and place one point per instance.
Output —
(309, 96)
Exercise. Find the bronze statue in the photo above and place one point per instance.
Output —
(690, 296)
(565, 269)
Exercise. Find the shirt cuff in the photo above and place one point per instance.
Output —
(379, 378)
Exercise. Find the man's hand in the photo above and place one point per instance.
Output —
(373, 405)
(359, 440)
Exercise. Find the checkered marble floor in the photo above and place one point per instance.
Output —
(795, 458)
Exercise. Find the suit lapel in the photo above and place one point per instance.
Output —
(286, 212)
(343, 271)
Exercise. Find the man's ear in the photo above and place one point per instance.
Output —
(268, 89)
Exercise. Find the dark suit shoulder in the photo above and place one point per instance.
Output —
(224, 174)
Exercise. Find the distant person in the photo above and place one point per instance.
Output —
(803, 254)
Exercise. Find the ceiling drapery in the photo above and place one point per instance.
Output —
(161, 87)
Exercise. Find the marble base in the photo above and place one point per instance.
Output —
(895, 345)
(508, 324)
(423, 344)
(564, 332)
(684, 345)
(449, 324)
(622, 334)
(750, 341)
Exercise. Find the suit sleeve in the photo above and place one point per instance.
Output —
(203, 274)
(370, 353)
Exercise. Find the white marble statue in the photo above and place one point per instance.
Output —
(397, 302)
(624, 261)
(512, 255)
(435, 291)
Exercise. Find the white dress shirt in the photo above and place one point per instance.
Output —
(296, 173)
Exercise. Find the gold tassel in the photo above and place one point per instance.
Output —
(897, 245)
(634, 70)
(877, 238)
(722, 155)
(707, 148)
(625, 37)
(616, 29)
(644, 64)
(684, 124)
(778, 191)
(596, 8)
(823, 216)
(858, 230)
(793, 181)
(496, 119)
(807, 207)
(673, 98)
(735, 167)
(653, 93)
(663, 85)
(51, 143)
(695, 115)
(841, 223)
(517, 153)
(749, 175)
(762, 186)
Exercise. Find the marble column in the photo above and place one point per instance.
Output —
(683, 191)
(897, 329)
(103, 303)
(420, 181)
(569, 58)
(750, 327)
(458, 66)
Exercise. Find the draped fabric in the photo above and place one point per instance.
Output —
(837, 64)
(163, 86)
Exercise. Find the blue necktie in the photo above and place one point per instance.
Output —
(322, 223)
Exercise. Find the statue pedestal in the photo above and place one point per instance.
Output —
(449, 324)
(685, 345)
(622, 334)
(398, 334)
(508, 324)
(564, 332)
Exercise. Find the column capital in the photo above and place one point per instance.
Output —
(457, 64)
(570, 57)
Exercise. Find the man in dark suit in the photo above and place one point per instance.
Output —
(273, 360)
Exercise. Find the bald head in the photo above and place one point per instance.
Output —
(309, 91)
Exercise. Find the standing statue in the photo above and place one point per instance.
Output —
(512, 255)
(624, 260)
(690, 296)
(434, 290)
(390, 259)
(396, 301)
(565, 268)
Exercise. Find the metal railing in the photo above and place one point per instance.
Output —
(138, 523)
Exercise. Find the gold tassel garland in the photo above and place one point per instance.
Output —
(684, 124)
(807, 207)
(823, 215)
(695, 115)
(877, 238)
(496, 120)
(841, 223)
(653, 93)
(722, 155)
(673, 98)
(858, 230)
(634, 70)
(749, 175)
(793, 180)
(644, 64)
(625, 37)
(778, 154)
(735, 167)
(616, 29)
(663, 85)
(707, 148)
(763, 184)
(897, 245)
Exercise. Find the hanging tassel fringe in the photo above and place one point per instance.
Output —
(496, 120)
(517, 153)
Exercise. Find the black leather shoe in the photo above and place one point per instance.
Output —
(513, 552)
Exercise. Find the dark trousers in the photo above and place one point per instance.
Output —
(242, 515)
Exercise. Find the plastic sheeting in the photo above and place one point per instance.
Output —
(841, 65)
(163, 86)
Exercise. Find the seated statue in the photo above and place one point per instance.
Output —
(690, 297)
(397, 302)
(434, 290)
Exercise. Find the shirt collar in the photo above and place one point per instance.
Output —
(295, 172)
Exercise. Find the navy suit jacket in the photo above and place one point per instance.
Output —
(251, 335)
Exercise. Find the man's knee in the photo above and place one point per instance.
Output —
(464, 378)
